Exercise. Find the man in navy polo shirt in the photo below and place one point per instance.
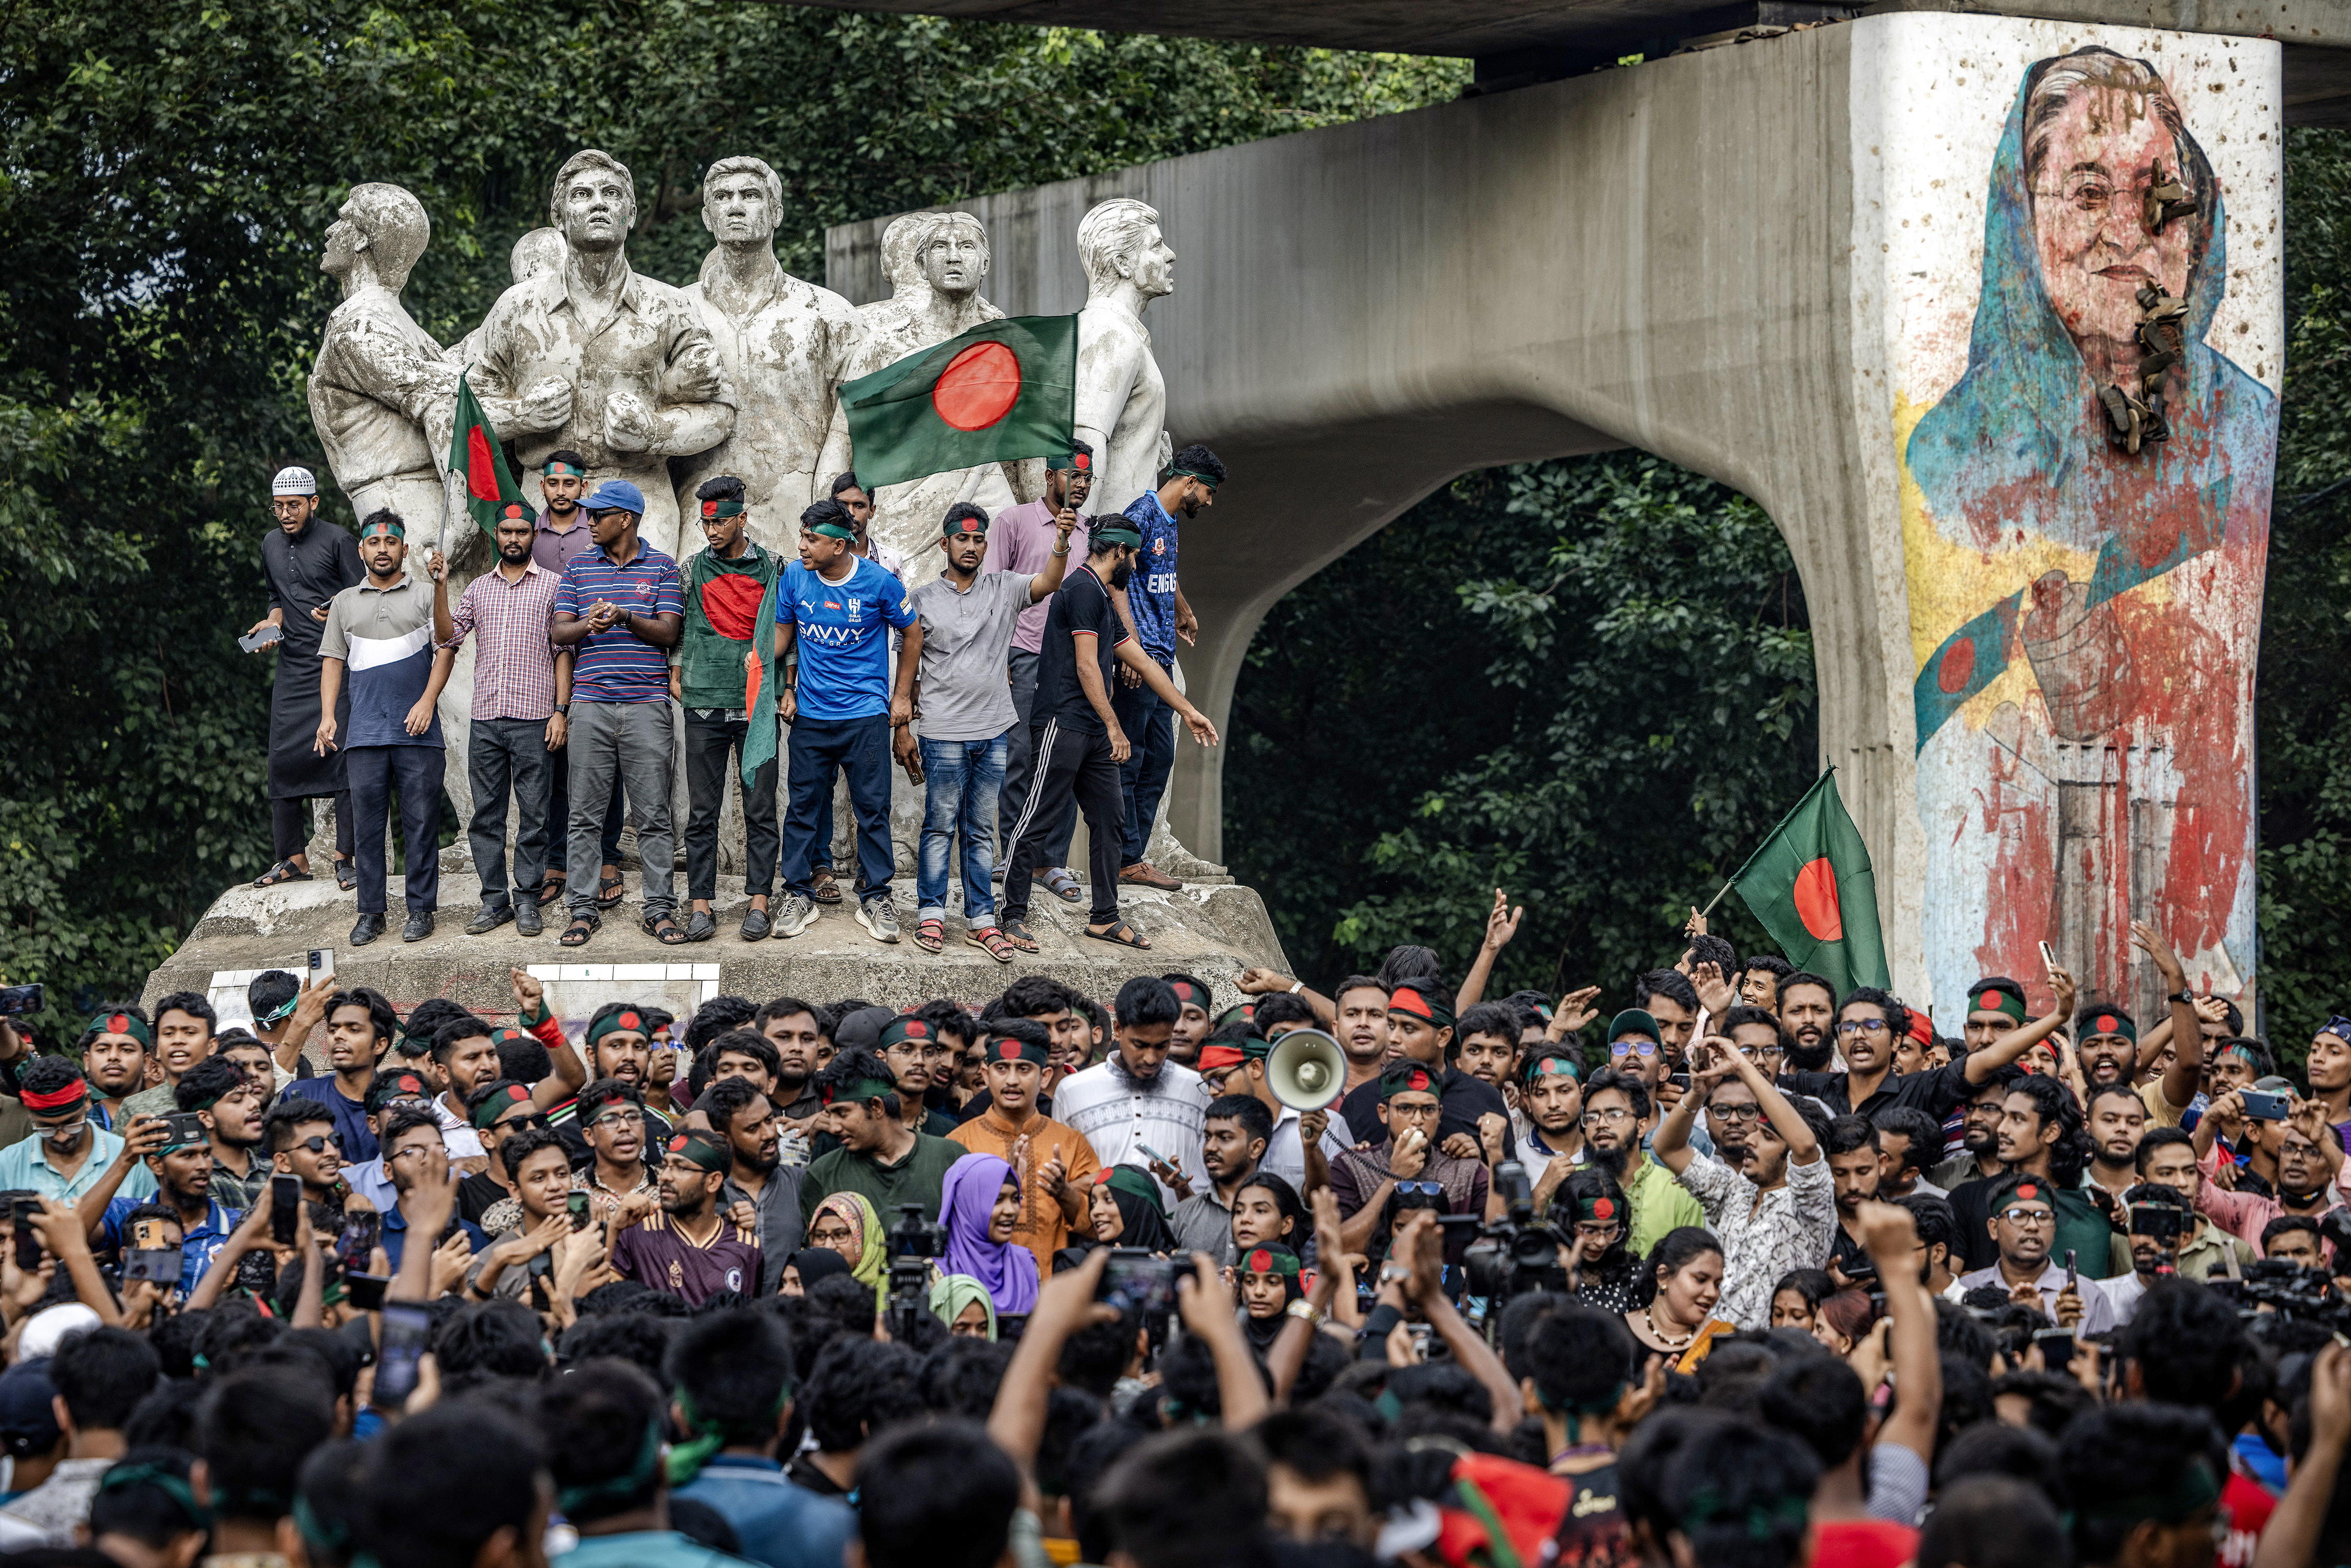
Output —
(841, 705)
(622, 607)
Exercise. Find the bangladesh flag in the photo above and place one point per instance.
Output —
(1812, 887)
(476, 458)
(1005, 390)
(760, 725)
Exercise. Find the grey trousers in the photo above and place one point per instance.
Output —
(631, 741)
(498, 753)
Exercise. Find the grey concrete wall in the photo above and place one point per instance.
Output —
(1653, 257)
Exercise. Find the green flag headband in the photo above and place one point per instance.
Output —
(1989, 1000)
(833, 530)
(122, 1477)
(557, 469)
(1550, 1067)
(384, 526)
(123, 1023)
(1410, 1078)
(1122, 532)
(628, 1021)
(859, 1091)
(1195, 474)
(640, 1476)
(714, 509)
(1273, 1261)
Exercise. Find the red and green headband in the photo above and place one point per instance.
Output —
(702, 1151)
(1600, 1210)
(558, 469)
(486, 1114)
(2107, 1022)
(905, 1030)
(1004, 1048)
(628, 1021)
(1273, 1261)
(124, 1024)
(1544, 1067)
(1410, 1078)
(1989, 1000)
(63, 1098)
(712, 510)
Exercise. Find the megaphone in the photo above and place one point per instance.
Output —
(1306, 1069)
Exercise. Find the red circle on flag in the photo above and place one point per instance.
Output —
(1007, 1050)
(1604, 1208)
(2107, 1024)
(1988, 1001)
(918, 1029)
(731, 603)
(119, 1024)
(1816, 901)
(628, 1022)
(979, 387)
(1260, 1262)
(1958, 662)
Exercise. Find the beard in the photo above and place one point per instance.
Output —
(1805, 1058)
(1121, 575)
(1612, 1161)
(515, 557)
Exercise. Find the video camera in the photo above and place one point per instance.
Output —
(2292, 1291)
(912, 1244)
(1517, 1252)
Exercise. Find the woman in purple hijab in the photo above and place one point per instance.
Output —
(979, 1205)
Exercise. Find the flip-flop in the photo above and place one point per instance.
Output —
(284, 871)
(992, 940)
(1121, 935)
(347, 876)
(930, 935)
(610, 890)
(1061, 884)
(550, 890)
(1015, 932)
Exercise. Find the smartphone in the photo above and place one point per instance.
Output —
(2048, 956)
(366, 1291)
(2058, 1347)
(1153, 1154)
(1680, 1081)
(285, 1208)
(2264, 1107)
(187, 1129)
(322, 964)
(157, 1265)
(1138, 1282)
(253, 640)
(15, 1001)
(406, 1327)
(21, 1213)
(2070, 1280)
(577, 1203)
(357, 1242)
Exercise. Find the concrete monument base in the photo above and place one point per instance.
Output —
(1213, 931)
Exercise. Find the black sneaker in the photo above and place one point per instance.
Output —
(419, 926)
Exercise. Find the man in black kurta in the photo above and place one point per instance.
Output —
(306, 562)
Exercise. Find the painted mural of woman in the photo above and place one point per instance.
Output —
(2122, 588)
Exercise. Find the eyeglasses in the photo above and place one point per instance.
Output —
(65, 1132)
(319, 1145)
(1863, 1026)
(1421, 1188)
(1632, 1048)
(616, 1119)
(1735, 1113)
(2029, 1216)
(1591, 1118)
(1592, 1232)
(416, 1149)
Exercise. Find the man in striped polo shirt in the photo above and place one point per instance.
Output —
(380, 632)
(621, 608)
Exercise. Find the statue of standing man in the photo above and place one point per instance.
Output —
(602, 359)
(379, 384)
(1122, 401)
(786, 347)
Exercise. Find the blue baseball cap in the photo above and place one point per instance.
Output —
(615, 496)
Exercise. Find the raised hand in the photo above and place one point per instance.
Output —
(1502, 922)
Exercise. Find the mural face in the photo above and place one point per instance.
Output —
(2084, 617)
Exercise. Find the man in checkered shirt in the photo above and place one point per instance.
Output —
(522, 684)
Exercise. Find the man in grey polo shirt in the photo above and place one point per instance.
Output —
(964, 716)
(379, 633)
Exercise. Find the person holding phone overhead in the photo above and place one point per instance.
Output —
(306, 562)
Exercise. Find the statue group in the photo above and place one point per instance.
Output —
(739, 373)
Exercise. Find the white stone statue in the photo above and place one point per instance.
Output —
(934, 298)
(787, 345)
(1122, 401)
(538, 253)
(379, 386)
(595, 357)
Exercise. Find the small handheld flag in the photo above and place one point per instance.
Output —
(476, 458)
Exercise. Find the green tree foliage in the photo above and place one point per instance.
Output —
(167, 173)
(1615, 706)
(2303, 696)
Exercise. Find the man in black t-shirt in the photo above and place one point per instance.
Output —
(1077, 741)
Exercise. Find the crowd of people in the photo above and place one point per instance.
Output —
(1750, 1274)
(1028, 680)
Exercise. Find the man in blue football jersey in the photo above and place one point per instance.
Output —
(839, 608)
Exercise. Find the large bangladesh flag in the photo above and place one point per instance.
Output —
(1003, 390)
(476, 458)
(1812, 887)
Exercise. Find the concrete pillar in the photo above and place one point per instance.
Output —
(1766, 262)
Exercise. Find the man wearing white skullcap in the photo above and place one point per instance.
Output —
(306, 562)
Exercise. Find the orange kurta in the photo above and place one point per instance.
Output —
(1042, 1228)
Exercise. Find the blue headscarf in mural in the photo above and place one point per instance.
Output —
(2018, 449)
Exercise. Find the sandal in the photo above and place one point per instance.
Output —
(1016, 933)
(1121, 935)
(990, 938)
(930, 935)
(284, 871)
(347, 876)
(582, 926)
(550, 890)
(1061, 883)
(610, 890)
(665, 929)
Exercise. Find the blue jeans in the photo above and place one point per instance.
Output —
(860, 749)
(1150, 726)
(961, 780)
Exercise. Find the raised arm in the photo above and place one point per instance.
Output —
(570, 1074)
(1982, 1064)
(1016, 1420)
(1502, 925)
(2186, 1069)
(1042, 586)
(1793, 1130)
(1423, 1243)
(1206, 1302)
(1890, 1234)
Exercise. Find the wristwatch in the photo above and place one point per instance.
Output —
(1393, 1273)
(1307, 1310)
(564, 708)
(1296, 986)
(2182, 995)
